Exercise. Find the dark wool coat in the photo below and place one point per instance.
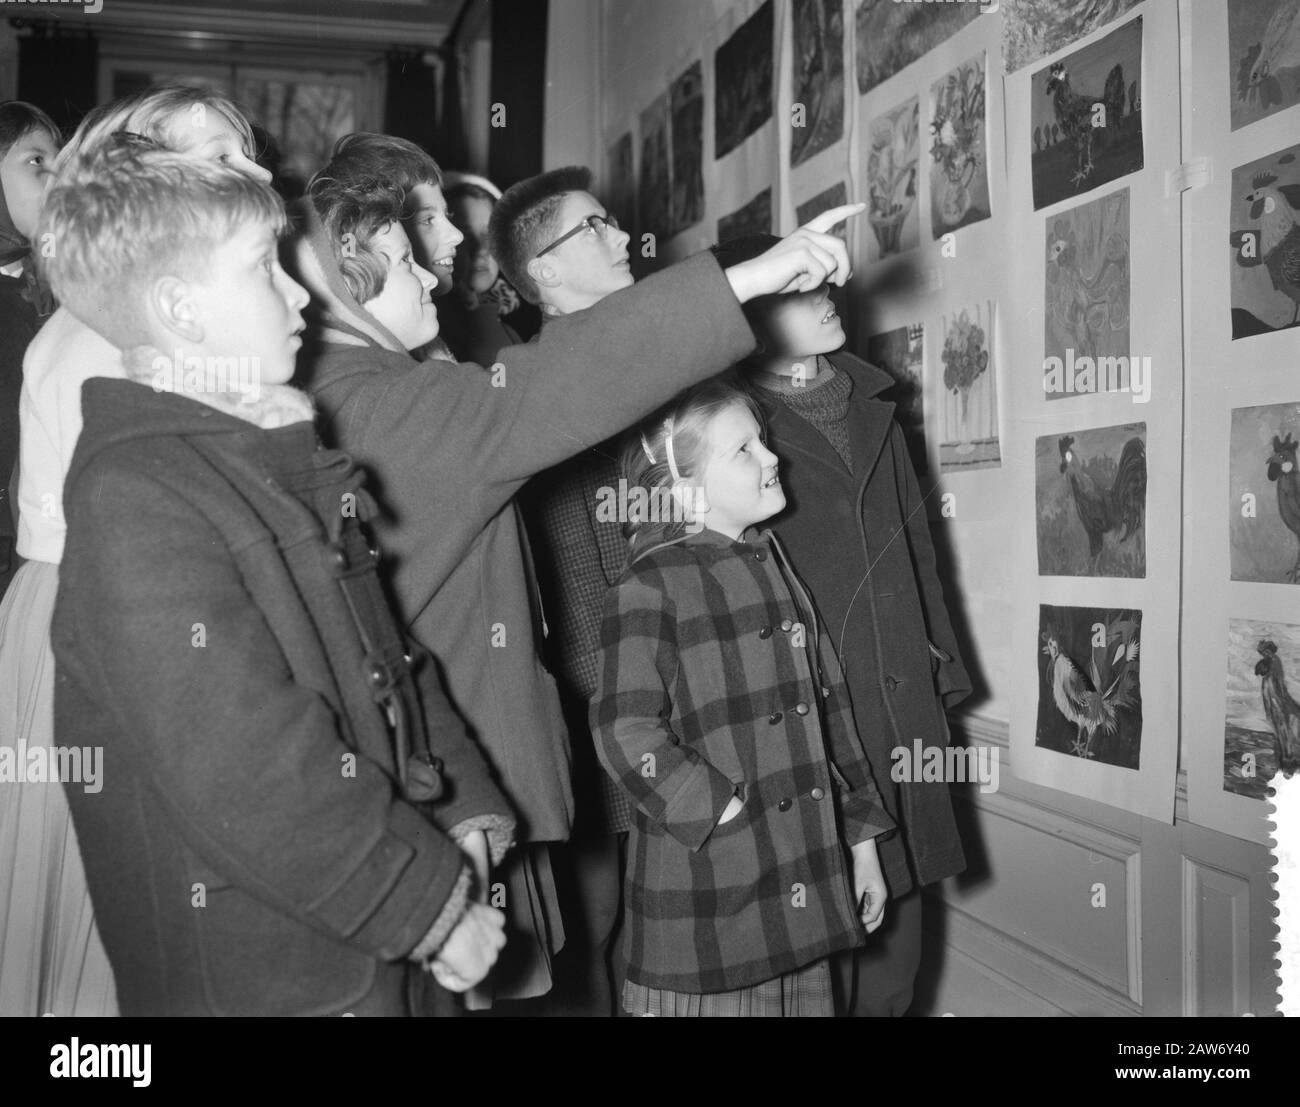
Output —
(448, 446)
(255, 762)
(712, 684)
(19, 323)
(861, 542)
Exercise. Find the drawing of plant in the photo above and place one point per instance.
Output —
(957, 133)
(892, 173)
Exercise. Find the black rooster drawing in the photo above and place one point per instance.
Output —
(1282, 469)
(1119, 508)
(1074, 112)
(1278, 210)
(1281, 708)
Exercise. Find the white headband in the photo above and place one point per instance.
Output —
(668, 448)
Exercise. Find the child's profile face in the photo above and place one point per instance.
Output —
(405, 306)
(475, 267)
(24, 176)
(249, 307)
(203, 132)
(433, 235)
(802, 324)
(740, 479)
(591, 263)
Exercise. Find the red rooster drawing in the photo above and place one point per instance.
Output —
(1282, 469)
(1281, 708)
(1279, 233)
(1091, 701)
(1121, 508)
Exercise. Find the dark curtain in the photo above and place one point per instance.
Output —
(59, 71)
(519, 83)
(410, 107)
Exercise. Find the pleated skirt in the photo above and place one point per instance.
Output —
(51, 958)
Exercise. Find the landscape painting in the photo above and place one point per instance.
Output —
(687, 96)
(1261, 725)
(755, 217)
(654, 193)
(893, 181)
(818, 77)
(959, 170)
(1090, 503)
(1263, 58)
(1264, 494)
(1089, 686)
(1086, 117)
(742, 68)
(901, 353)
(1087, 290)
(968, 412)
(1032, 29)
(890, 35)
(1265, 244)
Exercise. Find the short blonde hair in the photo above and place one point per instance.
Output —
(121, 216)
(160, 114)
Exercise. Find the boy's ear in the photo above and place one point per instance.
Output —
(173, 307)
(543, 273)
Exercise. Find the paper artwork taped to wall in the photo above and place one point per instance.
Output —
(1261, 726)
(818, 77)
(620, 183)
(754, 217)
(890, 36)
(1264, 494)
(1265, 243)
(742, 68)
(1032, 29)
(835, 196)
(1086, 117)
(1089, 689)
(893, 181)
(1087, 298)
(959, 158)
(901, 353)
(654, 210)
(1263, 57)
(687, 99)
(968, 411)
(1091, 502)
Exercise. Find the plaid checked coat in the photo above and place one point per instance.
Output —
(715, 681)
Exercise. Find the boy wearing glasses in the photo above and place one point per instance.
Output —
(448, 447)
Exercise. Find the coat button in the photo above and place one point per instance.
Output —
(374, 554)
(765, 632)
(890, 683)
(774, 718)
(378, 677)
(786, 625)
(784, 805)
(760, 555)
(817, 793)
(801, 708)
(338, 557)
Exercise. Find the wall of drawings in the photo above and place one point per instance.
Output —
(1066, 311)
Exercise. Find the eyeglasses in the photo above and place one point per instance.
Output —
(598, 224)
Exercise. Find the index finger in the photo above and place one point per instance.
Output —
(823, 223)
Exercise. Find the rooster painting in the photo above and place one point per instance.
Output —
(1277, 210)
(1265, 243)
(1087, 285)
(1280, 48)
(1281, 708)
(1100, 704)
(1281, 468)
(1091, 502)
(1085, 99)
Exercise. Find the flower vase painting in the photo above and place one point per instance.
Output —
(959, 179)
(892, 182)
(968, 412)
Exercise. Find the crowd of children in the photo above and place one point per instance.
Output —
(397, 715)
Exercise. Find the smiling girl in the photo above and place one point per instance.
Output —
(722, 711)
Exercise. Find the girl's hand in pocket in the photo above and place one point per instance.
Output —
(869, 885)
(734, 807)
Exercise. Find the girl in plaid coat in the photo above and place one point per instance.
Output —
(721, 709)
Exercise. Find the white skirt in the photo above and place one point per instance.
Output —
(51, 958)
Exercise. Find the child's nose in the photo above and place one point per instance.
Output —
(457, 236)
(427, 279)
(296, 296)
